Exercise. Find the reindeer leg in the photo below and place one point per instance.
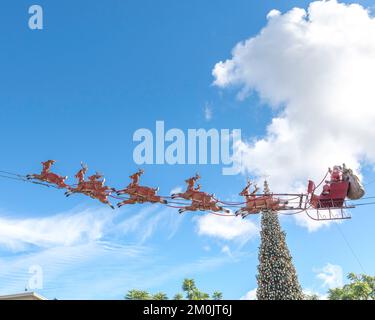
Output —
(188, 208)
(129, 201)
(109, 204)
(163, 201)
(119, 192)
(239, 211)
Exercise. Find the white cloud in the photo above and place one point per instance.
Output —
(227, 228)
(251, 295)
(312, 292)
(208, 112)
(80, 226)
(312, 225)
(331, 275)
(226, 250)
(73, 246)
(316, 68)
(58, 230)
(273, 13)
(71, 272)
(149, 219)
(177, 189)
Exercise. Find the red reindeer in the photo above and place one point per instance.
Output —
(96, 189)
(47, 176)
(187, 195)
(255, 204)
(93, 187)
(200, 200)
(139, 194)
(80, 176)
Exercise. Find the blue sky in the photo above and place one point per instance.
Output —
(78, 89)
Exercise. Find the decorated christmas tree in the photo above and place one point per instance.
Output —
(277, 277)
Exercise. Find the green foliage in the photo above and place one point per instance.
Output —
(192, 292)
(311, 297)
(217, 295)
(178, 296)
(198, 295)
(188, 286)
(160, 296)
(360, 287)
(137, 295)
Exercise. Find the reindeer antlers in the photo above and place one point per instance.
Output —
(84, 165)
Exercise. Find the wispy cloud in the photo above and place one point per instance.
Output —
(331, 275)
(226, 228)
(208, 112)
(177, 189)
(83, 253)
(73, 271)
(148, 220)
(65, 229)
(226, 250)
(311, 225)
(90, 253)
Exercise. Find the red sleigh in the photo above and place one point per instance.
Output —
(331, 203)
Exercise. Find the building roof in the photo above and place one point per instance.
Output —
(28, 295)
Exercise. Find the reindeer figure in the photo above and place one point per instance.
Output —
(47, 167)
(47, 176)
(97, 190)
(80, 176)
(199, 200)
(187, 195)
(93, 187)
(255, 204)
(135, 178)
(139, 194)
(245, 192)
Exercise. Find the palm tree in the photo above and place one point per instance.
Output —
(178, 296)
(217, 295)
(189, 287)
(137, 295)
(160, 296)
